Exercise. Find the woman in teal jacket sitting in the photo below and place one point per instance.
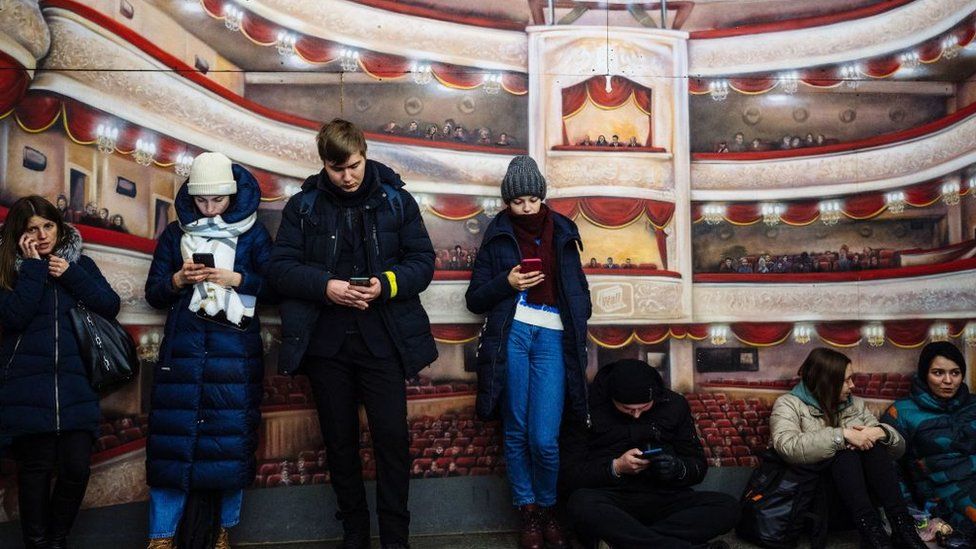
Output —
(938, 422)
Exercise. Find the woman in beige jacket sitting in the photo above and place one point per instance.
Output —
(820, 425)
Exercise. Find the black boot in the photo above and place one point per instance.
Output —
(65, 502)
(873, 534)
(904, 535)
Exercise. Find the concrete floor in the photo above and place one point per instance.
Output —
(510, 540)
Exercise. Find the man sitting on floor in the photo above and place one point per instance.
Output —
(629, 475)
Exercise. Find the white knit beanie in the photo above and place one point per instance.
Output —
(211, 175)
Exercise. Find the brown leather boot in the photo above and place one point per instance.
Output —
(552, 531)
(530, 536)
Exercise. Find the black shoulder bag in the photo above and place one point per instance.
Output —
(106, 348)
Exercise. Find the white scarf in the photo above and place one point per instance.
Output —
(212, 235)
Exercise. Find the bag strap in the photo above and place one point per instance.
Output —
(396, 202)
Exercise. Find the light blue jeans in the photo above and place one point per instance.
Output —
(166, 508)
(533, 408)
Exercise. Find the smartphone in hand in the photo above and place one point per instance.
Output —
(650, 452)
(207, 260)
(359, 281)
(531, 264)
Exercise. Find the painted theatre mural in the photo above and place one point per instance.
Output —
(748, 182)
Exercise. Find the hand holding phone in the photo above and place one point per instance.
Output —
(359, 281)
(650, 452)
(207, 260)
(531, 264)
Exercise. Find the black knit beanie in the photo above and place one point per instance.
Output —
(523, 178)
(634, 381)
(943, 349)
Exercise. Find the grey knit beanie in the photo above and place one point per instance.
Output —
(523, 179)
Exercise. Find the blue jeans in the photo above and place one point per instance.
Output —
(533, 408)
(166, 509)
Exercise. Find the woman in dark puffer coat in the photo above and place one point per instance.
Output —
(207, 385)
(46, 403)
(938, 422)
(532, 351)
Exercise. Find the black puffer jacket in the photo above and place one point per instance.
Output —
(305, 254)
(490, 293)
(586, 453)
(44, 385)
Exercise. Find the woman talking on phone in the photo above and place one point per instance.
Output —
(47, 405)
(207, 272)
(529, 281)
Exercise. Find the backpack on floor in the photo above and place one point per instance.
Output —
(200, 524)
(781, 502)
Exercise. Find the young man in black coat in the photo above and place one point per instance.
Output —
(350, 259)
(629, 474)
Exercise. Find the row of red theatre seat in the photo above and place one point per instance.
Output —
(865, 385)
(733, 432)
(297, 391)
(121, 430)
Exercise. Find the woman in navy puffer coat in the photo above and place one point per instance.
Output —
(207, 384)
(47, 405)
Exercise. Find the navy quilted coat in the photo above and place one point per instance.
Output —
(44, 386)
(490, 294)
(206, 388)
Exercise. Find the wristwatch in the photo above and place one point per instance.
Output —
(838, 438)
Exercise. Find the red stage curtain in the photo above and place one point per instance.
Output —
(574, 97)
(882, 67)
(930, 51)
(611, 212)
(694, 331)
(316, 50)
(82, 122)
(743, 213)
(907, 333)
(762, 334)
(611, 337)
(662, 247)
(455, 207)
(381, 65)
(455, 333)
(566, 206)
(864, 206)
(801, 213)
(649, 335)
(696, 212)
(169, 149)
(128, 135)
(956, 327)
(13, 83)
(214, 7)
(660, 213)
(840, 334)
(268, 182)
(967, 34)
(620, 91)
(454, 76)
(825, 77)
(697, 86)
(923, 194)
(38, 111)
(259, 30)
(753, 85)
(515, 83)
(643, 97)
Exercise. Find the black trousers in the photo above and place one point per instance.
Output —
(859, 474)
(47, 514)
(636, 519)
(339, 383)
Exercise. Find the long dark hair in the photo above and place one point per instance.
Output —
(14, 227)
(823, 375)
